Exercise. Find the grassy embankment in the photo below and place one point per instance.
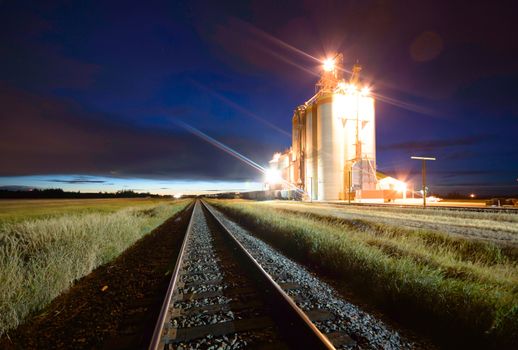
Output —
(62, 241)
(447, 280)
(499, 228)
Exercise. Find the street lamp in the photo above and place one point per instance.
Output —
(329, 64)
(423, 172)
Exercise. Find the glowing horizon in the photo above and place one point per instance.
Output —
(94, 184)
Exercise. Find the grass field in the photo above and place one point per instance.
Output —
(451, 280)
(60, 241)
(497, 228)
(15, 210)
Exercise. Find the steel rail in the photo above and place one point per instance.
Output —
(156, 340)
(504, 210)
(303, 333)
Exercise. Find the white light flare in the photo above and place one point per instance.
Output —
(351, 88)
(401, 187)
(272, 177)
(221, 146)
(240, 108)
(365, 91)
(329, 65)
(230, 151)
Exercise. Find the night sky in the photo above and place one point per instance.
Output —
(93, 93)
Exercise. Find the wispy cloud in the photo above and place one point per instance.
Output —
(54, 144)
(17, 188)
(426, 145)
(76, 181)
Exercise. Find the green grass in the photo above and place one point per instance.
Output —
(471, 285)
(16, 210)
(40, 258)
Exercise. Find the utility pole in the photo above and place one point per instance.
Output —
(423, 172)
(311, 183)
(358, 149)
(350, 185)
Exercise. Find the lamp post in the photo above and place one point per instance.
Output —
(350, 186)
(311, 194)
(423, 172)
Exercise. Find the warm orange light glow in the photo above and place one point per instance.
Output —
(472, 195)
(401, 186)
(329, 65)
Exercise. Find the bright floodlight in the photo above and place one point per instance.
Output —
(401, 187)
(329, 64)
(351, 88)
(366, 91)
(272, 176)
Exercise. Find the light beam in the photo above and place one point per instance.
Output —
(232, 152)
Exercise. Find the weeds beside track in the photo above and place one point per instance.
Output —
(41, 258)
(448, 280)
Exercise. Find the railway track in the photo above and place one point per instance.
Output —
(503, 210)
(220, 297)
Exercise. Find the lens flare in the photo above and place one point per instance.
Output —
(232, 152)
(272, 177)
(329, 65)
(239, 108)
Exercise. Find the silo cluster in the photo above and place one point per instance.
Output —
(333, 152)
(333, 143)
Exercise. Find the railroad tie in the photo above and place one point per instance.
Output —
(216, 293)
(176, 335)
(340, 339)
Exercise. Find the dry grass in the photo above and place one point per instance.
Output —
(499, 228)
(16, 210)
(470, 284)
(40, 258)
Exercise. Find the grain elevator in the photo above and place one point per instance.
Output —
(333, 152)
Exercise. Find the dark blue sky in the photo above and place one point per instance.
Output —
(90, 91)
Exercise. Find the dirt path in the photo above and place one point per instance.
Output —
(113, 307)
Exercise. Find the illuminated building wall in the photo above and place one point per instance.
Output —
(333, 152)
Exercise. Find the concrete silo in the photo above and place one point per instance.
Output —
(333, 153)
(311, 153)
(330, 148)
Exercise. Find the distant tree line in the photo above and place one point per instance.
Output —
(52, 193)
(458, 195)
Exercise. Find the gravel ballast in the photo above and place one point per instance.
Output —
(209, 268)
(367, 331)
